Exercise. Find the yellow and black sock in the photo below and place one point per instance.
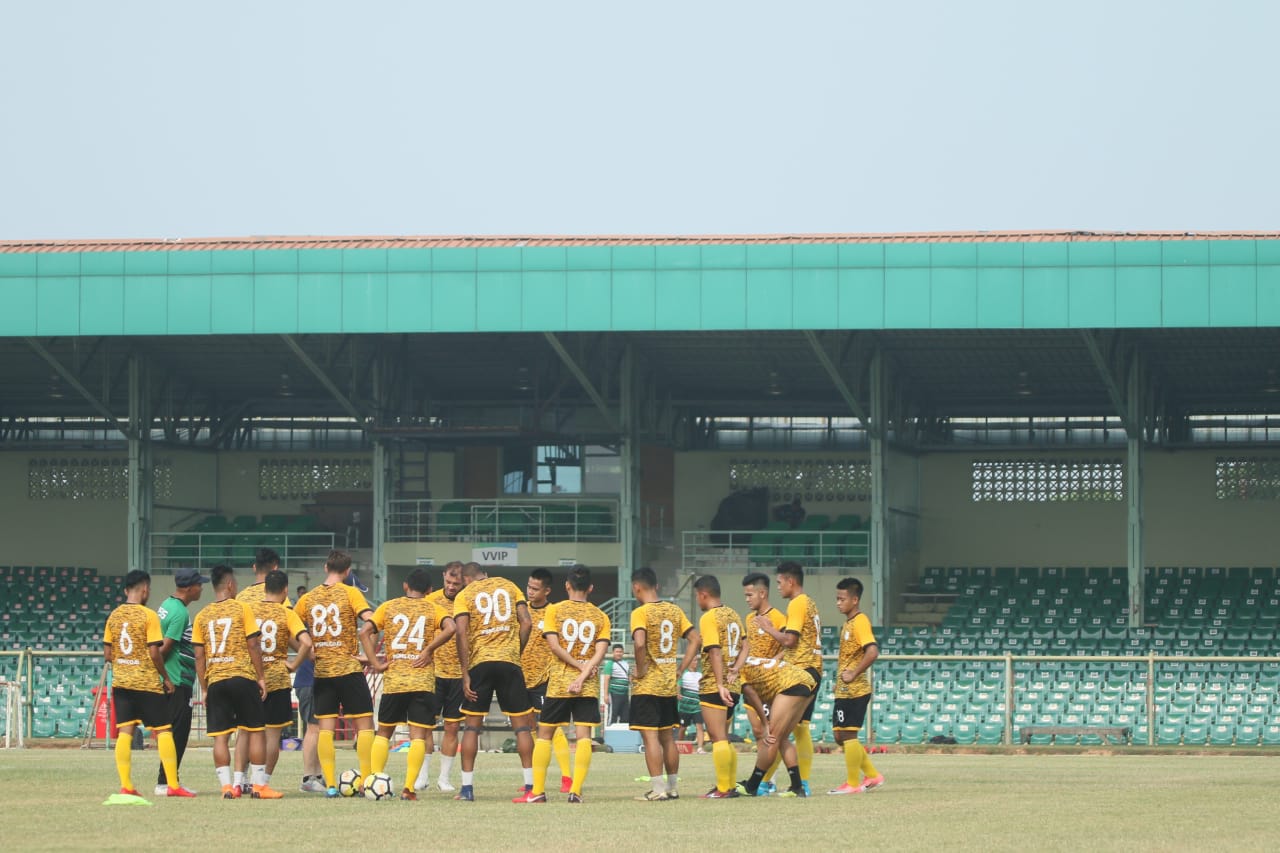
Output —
(124, 759)
(328, 758)
(541, 761)
(581, 764)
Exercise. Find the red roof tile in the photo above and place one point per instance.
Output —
(478, 241)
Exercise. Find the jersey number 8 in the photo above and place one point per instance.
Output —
(666, 636)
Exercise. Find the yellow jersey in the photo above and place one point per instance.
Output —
(331, 613)
(664, 624)
(277, 626)
(446, 657)
(854, 639)
(536, 658)
(258, 592)
(770, 676)
(493, 631)
(410, 625)
(224, 629)
(803, 621)
(130, 630)
(722, 629)
(761, 644)
(580, 627)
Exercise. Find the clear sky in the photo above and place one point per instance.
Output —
(170, 119)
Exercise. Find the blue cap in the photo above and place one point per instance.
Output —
(352, 580)
(188, 577)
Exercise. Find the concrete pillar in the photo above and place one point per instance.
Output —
(1133, 477)
(141, 478)
(880, 551)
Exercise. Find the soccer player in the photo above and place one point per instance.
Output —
(331, 612)
(577, 633)
(414, 628)
(179, 659)
(858, 651)
(448, 685)
(801, 642)
(721, 631)
(139, 683)
(492, 624)
(536, 661)
(760, 644)
(265, 561)
(229, 666)
(281, 629)
(617, 686)
(656, 629)
(780, 692)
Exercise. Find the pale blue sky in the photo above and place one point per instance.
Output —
(163, 119)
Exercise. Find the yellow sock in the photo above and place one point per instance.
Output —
(804, 749)
(541, 760)
(722, 758)
(417, 754)
(328, 758)
(560, 746)
(581, 764)
(868, 769)
(853, 756)
(378, 754)
(773, 768)
(364, 751)
(124, 759)
(168, 757)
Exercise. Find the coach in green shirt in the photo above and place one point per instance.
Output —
(179, 657)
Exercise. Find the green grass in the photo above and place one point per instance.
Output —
(989, 802)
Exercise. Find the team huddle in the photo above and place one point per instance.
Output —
(448, 653)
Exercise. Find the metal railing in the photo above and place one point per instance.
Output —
(526, 518)
(816, 550)
(179, 549)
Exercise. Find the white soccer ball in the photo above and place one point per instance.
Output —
(378, 787)
(349, 783)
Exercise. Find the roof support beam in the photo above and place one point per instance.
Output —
(584, 381)
(859, 410)
(349, 407)
(1115, 391)
(70, 379)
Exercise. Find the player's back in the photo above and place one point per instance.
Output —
(129, 632)
(854, 639)
(803, 620)
(223, 629)
(277, 625)
(330, 612)
(721, 627)
(257, 592)
(664, 624)
(493, 629)
(579, 627)
(409, 625)
(536, 659)
(445, 657)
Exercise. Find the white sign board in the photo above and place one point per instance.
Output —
(502, 554)
(424, 561)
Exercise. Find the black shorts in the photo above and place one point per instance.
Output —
(233, 703)
(817, 682)
(277, 710)
(850, 714)
(538, 697)
(713, 700)
(418, 708)
(690, 718)
(140, 706)
(449, 692)
(500, 677)
(650, 712)
(306, 705)
(349, 692)
(583, 710)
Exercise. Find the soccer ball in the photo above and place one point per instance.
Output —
(349, 783)
(378, 787)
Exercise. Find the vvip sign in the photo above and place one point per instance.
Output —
(502, 554)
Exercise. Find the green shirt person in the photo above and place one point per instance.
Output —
(179, 656)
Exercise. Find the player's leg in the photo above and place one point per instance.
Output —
(647, 719)
(357, 707)
(325, 696)
(670, 760)
(277, 715)
(449, 691)
(419, 746)
(784, 715)
(581, 763)
(129, 717)
(178, 704)
(784, 711)
(312, 779)
(560, 748)
(222, 766)
(381, 751)
(803, 733)
(393, 710)
(850, 716)
(716, 719)
(541, 761)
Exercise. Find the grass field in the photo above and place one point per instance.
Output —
(991, 802)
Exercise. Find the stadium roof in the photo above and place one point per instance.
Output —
(179, 244)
